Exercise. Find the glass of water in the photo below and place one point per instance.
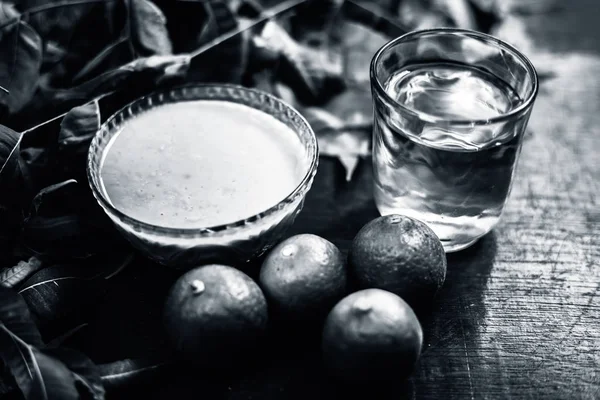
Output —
(450, 107)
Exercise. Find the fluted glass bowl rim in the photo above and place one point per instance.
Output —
(160, 97)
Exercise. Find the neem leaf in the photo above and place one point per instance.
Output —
(78, 128)
(40, 376)
(67, 293)
(11, 189)
(10, 172)
(150, 70)
(132, 371)
(63, 337)
(12, 277)
(55, 381)
(226, 62)
(52, 197)
(18, 356)
(314, 74)
(65, 223)
(8, 387)
(148, 29)
(58, 290)
(15, 315)
(86, 375)
(61, 236)
(20, 59)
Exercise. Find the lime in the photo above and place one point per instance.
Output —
(371, 336)
(401, 255)
(215, 315)
(303, 277)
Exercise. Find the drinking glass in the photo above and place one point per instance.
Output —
(450, 111)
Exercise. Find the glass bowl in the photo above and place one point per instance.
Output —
(232, 243)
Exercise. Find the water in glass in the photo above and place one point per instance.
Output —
(454, 179)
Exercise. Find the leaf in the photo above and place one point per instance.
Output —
(360, 43)
(227, 61)
(58, 237)
(151, 70)
(9, 150)
(343, 139)
(65, 336)
(11, 189)
(20, 59)
(62, 296)
(62, 291)
(12, 277)
(57, 382)
(128, 372)
(38, 375)
(86, 375)
(314, 20)
(10, 171)
(42, 377)
(315, 74)
(8, 386)
(15, 316)
(148, 29)
(417, 14)
(52, 198)
(79, 30)
(78, 128)
(18, 356)
(54, 21)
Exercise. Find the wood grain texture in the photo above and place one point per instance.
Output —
(519, 314)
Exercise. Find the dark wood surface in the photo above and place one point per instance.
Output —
(519, 314)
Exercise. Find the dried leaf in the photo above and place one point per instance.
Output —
(360, 43)
(343, 139)
(20, 59)
(148, 29)
(418, 14)
(129, 372)
(12, 277)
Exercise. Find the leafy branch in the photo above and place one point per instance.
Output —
(42, 373)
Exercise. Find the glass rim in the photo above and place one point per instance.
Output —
(156, 99)
(488, 39)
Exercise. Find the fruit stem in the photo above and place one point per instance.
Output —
(288, 250)
(197, 286)
(362, 305)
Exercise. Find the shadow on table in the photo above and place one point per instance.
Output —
(461, 297)
(452, 327)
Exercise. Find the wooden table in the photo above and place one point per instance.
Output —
(519, 314)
